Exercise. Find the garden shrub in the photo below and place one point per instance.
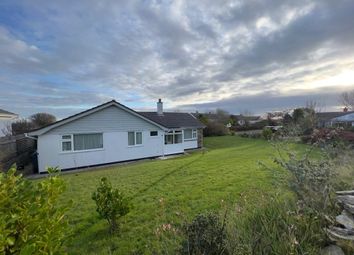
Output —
(111, 203)
(275, 227)
(253, 135)
(206, 234)
(31, 221)
(312, 175)
(325, 136)
(267, 133)
(215, 129)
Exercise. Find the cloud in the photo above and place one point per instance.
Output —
(202, 54)
(326, 100)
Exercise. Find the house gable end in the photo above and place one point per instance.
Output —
(106, 120)
(116, 118)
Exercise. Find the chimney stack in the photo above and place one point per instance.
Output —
(159, 107)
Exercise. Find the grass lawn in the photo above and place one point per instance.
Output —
(188, 185)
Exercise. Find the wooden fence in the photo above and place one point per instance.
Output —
(20, 150)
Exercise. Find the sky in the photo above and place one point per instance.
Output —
(253, 56)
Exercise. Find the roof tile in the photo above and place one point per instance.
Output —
(173, 119)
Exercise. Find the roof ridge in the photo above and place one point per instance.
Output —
(71, 116)
(112, 102)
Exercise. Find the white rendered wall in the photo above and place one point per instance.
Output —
(193, 144)
(180, 147)
(115, 148)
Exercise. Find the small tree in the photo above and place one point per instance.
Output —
(222, 116)
(267, 133)
(111, 203)
(298, 115)
(42, 119)
(347, 99)
(287, 120)
(21, 126)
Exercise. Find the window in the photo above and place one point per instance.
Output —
(173, 137)
(135, 138)
(66, 142)
(169, 138)
(88, 141)
(178, 137)
(194, 134)
(131, 138)
(190, 134)
(153, 133)
(139, 138)
(80, 142)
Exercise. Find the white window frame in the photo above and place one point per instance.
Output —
(135, 136)
(194, 135)
(157, 133)
(71, 140)
(173, 133)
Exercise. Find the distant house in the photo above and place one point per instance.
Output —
(345, 120)
(6, 118)
(111, 133)
(5, 115)
(243, 120)
(330, 119)
(276, 116)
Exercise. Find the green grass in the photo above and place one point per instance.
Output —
(188, 185)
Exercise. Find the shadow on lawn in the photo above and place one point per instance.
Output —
(162, 178)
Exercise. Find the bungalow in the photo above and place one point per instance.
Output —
(5, 115)
(345, 120)
(242, 120)
(111, 133)
(329, 119)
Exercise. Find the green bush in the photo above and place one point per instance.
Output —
(215, 129)
(205, 235)
(253, 135)
(267, 133)
(111, 203)
(311, 176)
(31, 222)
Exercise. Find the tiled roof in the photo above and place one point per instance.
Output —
(168, 120)
(6, 112)
(326, 116)
(173, 119)
(345, 118)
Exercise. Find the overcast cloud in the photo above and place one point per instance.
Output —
(65, 56)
